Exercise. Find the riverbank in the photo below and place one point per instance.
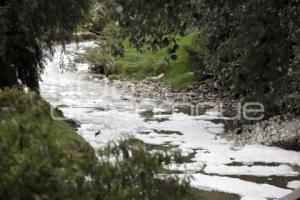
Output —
(177, 81)
(154, 88)
(276, 131)
(146, 74)
(44, 157)
(107, 113)
(176, 71)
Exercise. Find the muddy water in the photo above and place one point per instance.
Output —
(108, 113)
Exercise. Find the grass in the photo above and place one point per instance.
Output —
(181, 73)
(140, 65)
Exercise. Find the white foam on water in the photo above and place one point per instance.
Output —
(294, 184)
(247, 190)
(103, 107)
(281, 170)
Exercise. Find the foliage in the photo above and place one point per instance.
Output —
(100, 19)
(40, 158)
(141, 19)
(140, 64)
(26, 30)
(46, 159)
(100, 59)
(143, 63)
(182, 72)
(108, 45)
(291, 103)
(199, 57)
(255, 49)
(251, 46)
(128, 171)
(255, 45)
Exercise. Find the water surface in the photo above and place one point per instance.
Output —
(107, 113)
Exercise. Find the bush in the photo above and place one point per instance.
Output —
(46, 159)
(127, 171)
(198, 56)
(291, 103)
(100, 60)
(40, 158)
(101, 57)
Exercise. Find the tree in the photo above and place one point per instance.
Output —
(26, 30)
(252, 46)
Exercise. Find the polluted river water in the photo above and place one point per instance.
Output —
(106, 112)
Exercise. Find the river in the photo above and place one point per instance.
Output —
(106, 112)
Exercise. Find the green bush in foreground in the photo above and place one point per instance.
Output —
(40, 158)
(46, 159)
(127, 171)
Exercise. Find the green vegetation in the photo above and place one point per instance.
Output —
(181, 72)
(46, 159)
(118, 59)
(27, 29)
(100, 60)
(251, 47)
(145, 63)
(40, 158)
(132, 176)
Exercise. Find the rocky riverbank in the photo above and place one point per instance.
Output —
(276, 131)
(155, 89)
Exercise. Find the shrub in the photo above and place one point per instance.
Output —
(198, 56)
(40, 158)
(291, 103)
(100, 60)
(127, 171)
(46, 159)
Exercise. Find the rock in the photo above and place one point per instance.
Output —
(274, 132)
(74, 123)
